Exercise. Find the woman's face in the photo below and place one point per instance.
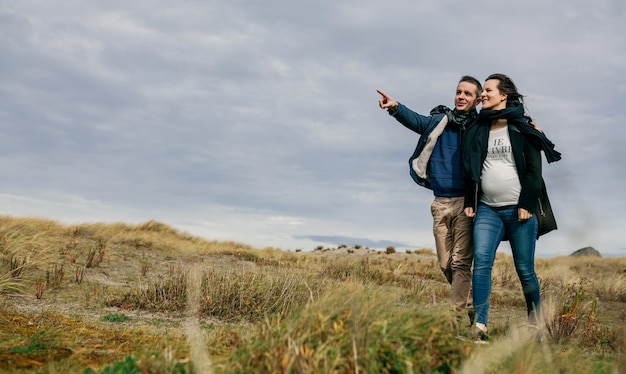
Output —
(491, 97)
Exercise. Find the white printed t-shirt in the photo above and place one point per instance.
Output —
(499, 180)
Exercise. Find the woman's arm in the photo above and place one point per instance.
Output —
(471, 198)
(531, 179)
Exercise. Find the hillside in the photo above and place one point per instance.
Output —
(98, 297)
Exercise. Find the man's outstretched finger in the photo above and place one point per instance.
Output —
(385, 101)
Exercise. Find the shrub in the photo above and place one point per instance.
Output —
(570, 316)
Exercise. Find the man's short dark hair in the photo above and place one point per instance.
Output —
(474, 81)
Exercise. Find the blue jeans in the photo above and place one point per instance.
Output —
(490, 227)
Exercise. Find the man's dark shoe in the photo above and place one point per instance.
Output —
(472, 316)
(459, 316)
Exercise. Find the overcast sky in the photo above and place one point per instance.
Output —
(258, 121)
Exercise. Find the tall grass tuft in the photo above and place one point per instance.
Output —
(95, 255)
(167, 294)
(54, 277)
(9, 285)
(367, 270)
(16, 267)
(570, 316)
(255, 293)
(355, 329)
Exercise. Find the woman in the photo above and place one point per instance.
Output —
(502, 161)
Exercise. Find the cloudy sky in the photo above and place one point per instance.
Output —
(258, 122)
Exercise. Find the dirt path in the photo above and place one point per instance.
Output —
(197, 346)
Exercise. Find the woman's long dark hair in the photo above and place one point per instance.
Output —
(506, 86)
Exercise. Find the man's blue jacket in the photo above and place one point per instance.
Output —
(423, 125)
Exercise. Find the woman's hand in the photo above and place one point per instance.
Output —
(523, 214)
(469, 211)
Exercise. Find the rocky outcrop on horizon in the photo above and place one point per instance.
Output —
(587, 251)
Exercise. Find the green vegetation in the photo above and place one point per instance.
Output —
(136, 365)
(190, 305)
(115, 317)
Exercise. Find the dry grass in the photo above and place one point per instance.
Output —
(147, 296)
(355, 328)
(56, 343)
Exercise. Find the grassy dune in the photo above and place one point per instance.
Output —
(119, 298)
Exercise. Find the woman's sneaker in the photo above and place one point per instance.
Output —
(480, 335)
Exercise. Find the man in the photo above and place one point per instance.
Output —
(436, 165)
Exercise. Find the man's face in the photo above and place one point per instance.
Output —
(466, 98)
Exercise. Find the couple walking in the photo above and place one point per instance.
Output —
(484, 169)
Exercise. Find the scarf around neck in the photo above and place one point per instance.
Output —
(461, 119)
(477, 137)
